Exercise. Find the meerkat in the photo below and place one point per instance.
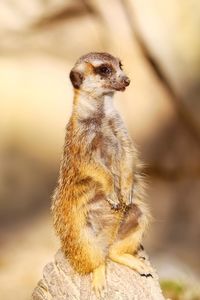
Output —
(98, 206)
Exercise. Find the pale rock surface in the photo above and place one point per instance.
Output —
(60, 282)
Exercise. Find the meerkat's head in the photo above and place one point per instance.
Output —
(99, 74)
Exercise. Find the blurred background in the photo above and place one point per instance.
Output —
(159, 44)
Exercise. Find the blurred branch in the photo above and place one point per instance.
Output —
(75, 10)
(181, 109)
(179, 173)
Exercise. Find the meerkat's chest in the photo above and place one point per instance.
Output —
(107, 147)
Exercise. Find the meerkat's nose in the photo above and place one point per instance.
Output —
(126, 81)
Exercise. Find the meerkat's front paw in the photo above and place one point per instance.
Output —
(113, 201)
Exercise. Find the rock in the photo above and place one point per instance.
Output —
(61, 282)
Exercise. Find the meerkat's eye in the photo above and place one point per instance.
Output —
(103, 70)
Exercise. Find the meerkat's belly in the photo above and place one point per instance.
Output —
(102, 220)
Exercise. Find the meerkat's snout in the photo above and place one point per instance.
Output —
(126, 81)
(99, 73)
(123, 83)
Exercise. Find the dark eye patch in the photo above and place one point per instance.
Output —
(104, 70)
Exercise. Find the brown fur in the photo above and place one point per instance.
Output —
(98, 202)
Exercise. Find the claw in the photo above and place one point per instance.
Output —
(127, 197)
(142, 257)
(131, 198)
(141, 247)
(146, 275)
(116, 207)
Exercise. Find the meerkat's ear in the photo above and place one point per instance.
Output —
(76, 78)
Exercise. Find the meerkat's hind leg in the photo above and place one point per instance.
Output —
(125, 250)
(99, 280)
(132, 262)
